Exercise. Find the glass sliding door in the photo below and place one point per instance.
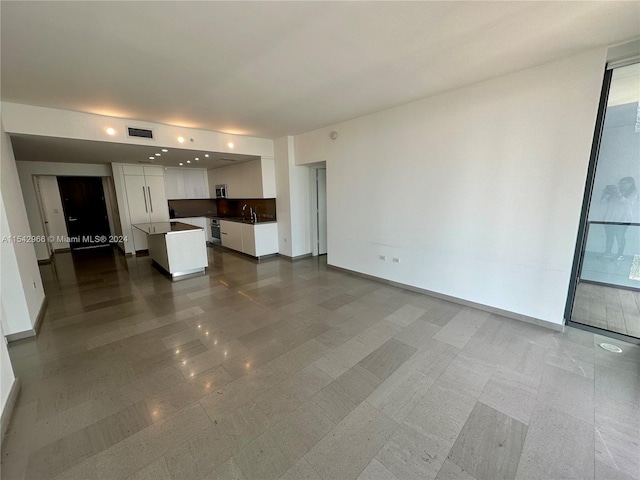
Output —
(607, 284)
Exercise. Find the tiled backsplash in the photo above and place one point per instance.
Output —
(265, 208)
(193, 208)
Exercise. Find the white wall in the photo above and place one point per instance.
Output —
(49, 122)
(292, 200)
(22, 291)
(283, 150)
(26, 171)
(478, 191)
(268, 177)
(243, 180)
(300, 209)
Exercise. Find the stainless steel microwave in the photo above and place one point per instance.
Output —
(221, 191)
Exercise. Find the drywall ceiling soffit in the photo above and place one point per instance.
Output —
(65, 150)
(268, 69)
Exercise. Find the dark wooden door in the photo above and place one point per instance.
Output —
(85, 211)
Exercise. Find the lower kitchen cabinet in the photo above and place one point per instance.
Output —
(253, 239)
(265, 239)
(202, 222)
(231, 235)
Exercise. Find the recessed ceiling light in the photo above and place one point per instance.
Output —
(181, 139)
(180, 163)
(188, 161)
(206, 155)
(152, 158)
(197, 158)
(230, 144)
(165, 150)
(111, 131)
(158, 154)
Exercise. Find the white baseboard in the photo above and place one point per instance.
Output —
(8, 407)
(460, 301)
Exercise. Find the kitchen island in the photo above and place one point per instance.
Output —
(177, 247)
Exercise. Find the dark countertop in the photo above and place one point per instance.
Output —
(246, 220)
(231, 219)
(162, 228)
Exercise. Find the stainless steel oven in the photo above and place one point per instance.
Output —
(214, 224)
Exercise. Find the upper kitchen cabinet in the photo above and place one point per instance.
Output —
(141, 197)
(196, 184)
(174, 184)
(186, 183)
(253, 179)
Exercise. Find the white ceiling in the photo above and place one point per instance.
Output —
(66, 150)
(268, 69)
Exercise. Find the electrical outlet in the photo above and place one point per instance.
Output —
(382, 257)
(396, 259)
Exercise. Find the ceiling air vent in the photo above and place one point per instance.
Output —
(140, 132)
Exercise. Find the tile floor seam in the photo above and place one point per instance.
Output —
(398, 425)
(111, 354)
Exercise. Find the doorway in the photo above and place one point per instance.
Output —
(605, 289)
(321, 210)
(85, 211)
(318, 209)
(44, 214)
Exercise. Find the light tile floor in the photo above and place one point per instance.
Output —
(295, 371)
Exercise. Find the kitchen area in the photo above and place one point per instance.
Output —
(160, 206)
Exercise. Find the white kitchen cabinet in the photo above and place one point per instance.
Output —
(248, 239)
(174, 184)
(202, 222)
(146, 199)
(187, 220)
(196, 184)
(141, 170)
(158, 207)
(231, 235)
(265, 239)
(186, 183)
(138, 207)
(254, 239)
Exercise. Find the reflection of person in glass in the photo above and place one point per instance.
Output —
(620, 200)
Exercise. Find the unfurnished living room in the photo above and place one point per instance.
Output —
(324, 240)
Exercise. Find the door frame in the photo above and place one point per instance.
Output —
(99, 183)
(43, 215)
(578, 257)
(313, 205)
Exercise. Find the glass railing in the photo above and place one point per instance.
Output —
(612, 255)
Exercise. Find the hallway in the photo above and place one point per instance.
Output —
(273, 370)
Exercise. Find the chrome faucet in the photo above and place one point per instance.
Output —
(243, 209)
